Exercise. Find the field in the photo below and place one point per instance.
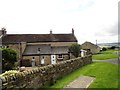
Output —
(106, 75)
(105, 55)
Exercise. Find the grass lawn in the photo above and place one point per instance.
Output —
(105, 55)
(106, 75)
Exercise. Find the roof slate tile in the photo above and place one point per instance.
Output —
(16, 38)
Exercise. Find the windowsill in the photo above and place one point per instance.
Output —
(59, 58)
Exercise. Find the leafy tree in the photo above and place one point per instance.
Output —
(75, 49)
(104, 49)
(112, 47)
(9, 57)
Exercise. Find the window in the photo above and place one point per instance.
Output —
(42, 61)
(7, 46)
(60, 56)
(38, 51)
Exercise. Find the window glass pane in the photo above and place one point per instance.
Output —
(60, 56)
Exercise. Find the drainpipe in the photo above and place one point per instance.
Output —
(39, 55)
(20, 54)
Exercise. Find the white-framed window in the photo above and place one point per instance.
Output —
(60, 56)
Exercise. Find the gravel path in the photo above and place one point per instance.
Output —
(113, 60)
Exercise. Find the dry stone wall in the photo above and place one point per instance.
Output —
(38, 77)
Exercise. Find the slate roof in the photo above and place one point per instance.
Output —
(33, 49)
(89, 43)
(59, 50)
(16, 38)
(45, 49)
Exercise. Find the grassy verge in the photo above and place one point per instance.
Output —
(106, 75)
(105, 55)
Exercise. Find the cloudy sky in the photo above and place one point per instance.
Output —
(91, 19)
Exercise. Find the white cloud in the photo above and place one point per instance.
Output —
(87, 17)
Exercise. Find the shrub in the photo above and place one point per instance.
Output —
(75, 49)
(9, 57)
(104, 49)
(112, 47)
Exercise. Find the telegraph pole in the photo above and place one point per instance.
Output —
(96, 42)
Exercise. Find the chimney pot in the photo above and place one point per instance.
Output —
(72, 31)
(3, 31)
(50, 31)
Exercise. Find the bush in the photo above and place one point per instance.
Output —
(104, 49)
(9, 72)
(9, 57)
(112, 47)
(75, 49)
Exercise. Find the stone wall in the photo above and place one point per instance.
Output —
(46, 58)
(41, 76)
(16, 47)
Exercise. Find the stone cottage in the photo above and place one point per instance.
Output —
(44, 49)
(90, 47)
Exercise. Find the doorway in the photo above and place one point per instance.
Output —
(53, 59)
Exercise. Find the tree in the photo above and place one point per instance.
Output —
(104, 49)
(9, 57)
(112, 47)
(75, 49)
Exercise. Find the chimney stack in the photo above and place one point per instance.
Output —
(72, 31)
(3, 31)
(50, 31)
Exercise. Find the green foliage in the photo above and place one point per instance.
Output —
(104, 49)
(9, 57)
(106, 75)
(75, 49)
(112, 47)
(9, 72)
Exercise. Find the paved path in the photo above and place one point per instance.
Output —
(80, 82)
(113, 60)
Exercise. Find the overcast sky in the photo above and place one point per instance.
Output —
(91, 19)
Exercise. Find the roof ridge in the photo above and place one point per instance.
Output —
(43, 34)
(39, 38)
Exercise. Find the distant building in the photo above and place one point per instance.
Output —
(90, 47)
(44, 48)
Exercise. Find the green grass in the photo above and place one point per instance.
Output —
(105, 55)
(106, 75)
